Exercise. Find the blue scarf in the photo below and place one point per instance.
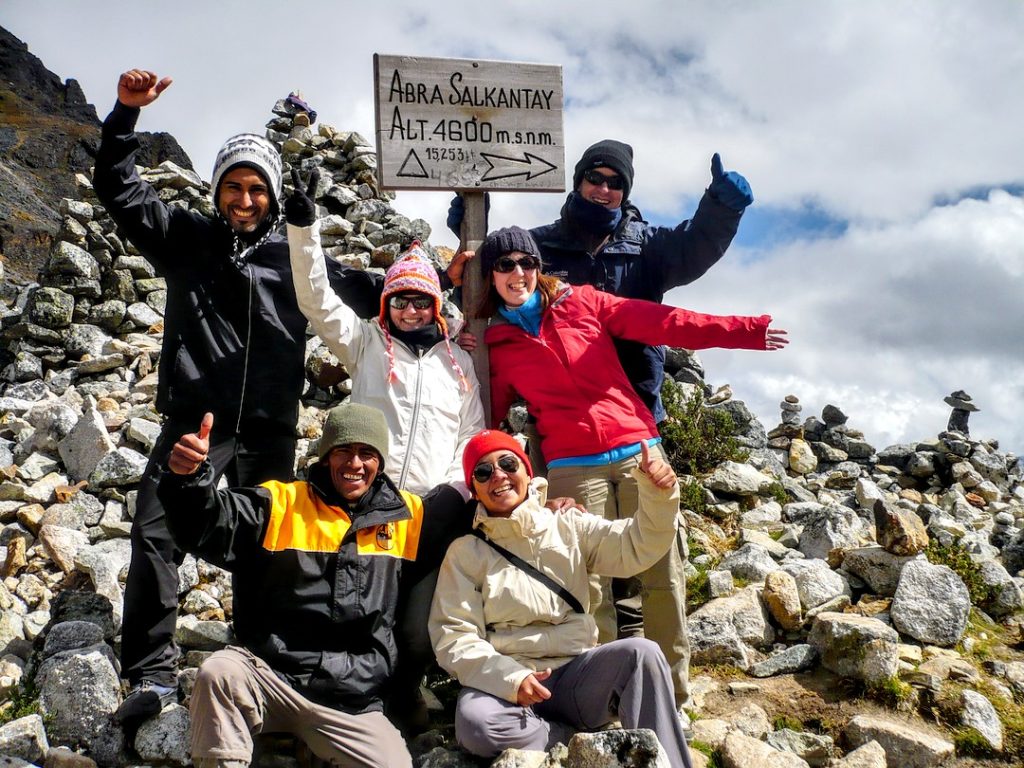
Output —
(591, 217)
(527, 316)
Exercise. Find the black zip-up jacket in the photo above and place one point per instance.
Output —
(316, 582)
(639, 261)
(234, 338)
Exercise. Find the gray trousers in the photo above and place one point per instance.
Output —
(651, 604)
(237, 695)
(627, 680)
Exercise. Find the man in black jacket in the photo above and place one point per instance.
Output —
(234, 340)
(315, 569)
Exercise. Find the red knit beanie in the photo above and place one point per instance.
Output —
(483, 443)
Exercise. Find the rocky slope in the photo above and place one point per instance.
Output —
(852, 606)
(48, 133)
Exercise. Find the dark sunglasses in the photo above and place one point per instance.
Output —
(508, 463)
(418, 302)
(597, 178)
(507, 264)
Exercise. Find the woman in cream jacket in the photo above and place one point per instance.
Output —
(527, 657)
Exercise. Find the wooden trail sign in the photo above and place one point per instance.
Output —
(465, 124)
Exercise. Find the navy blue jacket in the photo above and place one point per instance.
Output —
(639, 261)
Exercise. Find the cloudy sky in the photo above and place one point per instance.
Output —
(883, 141)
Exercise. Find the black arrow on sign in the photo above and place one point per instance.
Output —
(504, 167)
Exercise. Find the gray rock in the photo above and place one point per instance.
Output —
(752, 720)
(103, 562)
(742, 751)
(904, 746)
(51, 308)
(86, 444)
(142, 314)
(879, 569)
(71, 635)
(834, 527)
(931, 604)
(25, 739)
(122, 466)
(1009, 598)
(611, 749)
(816, 583)
(794, 659)
(85, 340)
(79, 691)
(721, 629)
(737, 479)
(855, 646)
(164, 739)
(720, 583)
(750, 562)
(870, 755)
(979, 714)
(145, 432)
(53, 421)
(190, 632)
(815, 748)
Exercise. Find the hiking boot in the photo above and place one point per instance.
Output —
(145, 699)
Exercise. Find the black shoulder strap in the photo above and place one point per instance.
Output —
(524, 566)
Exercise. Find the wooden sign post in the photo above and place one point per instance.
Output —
(469, 126)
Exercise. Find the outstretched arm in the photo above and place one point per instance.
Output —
(332, 320)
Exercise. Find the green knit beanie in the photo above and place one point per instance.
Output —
(354, 423)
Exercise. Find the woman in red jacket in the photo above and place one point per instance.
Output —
(554, 346)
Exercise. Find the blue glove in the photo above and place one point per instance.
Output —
(729, 188)
(457, 212)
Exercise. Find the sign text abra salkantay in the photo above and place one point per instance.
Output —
(466, 124)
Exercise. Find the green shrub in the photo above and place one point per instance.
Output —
(970, 743)
(691, 496)
(959, 561)
(697, 439)
(24, 702)
(785, 721)
(893, 693)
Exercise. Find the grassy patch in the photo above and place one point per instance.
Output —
(947, 708)
(713, 755)
(23, 703)
(959, 561)
(785, 721)
(893, 693)
(970, 743)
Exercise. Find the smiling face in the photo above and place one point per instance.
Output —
(409, 318)
(601, 194)
(517, 286)
(243, 199)
(503, 491)
(354, 467)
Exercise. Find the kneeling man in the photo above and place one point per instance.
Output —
(316, 568)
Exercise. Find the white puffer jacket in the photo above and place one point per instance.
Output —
(492, 624)
(430, 417)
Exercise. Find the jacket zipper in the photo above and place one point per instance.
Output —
(415, 423)
(245, 362)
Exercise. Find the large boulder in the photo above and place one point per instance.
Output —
(931, 604)
(904, 746)
(855, 646)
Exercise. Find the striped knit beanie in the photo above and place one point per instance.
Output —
(413, 272)
(251, 151)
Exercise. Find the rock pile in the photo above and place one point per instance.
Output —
(868, 564)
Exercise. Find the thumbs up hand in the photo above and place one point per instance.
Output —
(658, 470)
(191, 450)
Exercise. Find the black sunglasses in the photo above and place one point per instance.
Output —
(418, 302)
(508, 463)
(507, 264)
(597, 178)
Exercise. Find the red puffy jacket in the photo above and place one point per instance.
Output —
(570, 375)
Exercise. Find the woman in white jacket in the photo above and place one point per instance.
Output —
(525, 651)
(403, 362)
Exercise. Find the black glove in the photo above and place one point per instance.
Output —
(299, 208)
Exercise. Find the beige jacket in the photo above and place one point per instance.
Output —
(430, 417)
(491, 624)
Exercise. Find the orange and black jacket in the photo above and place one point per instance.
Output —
(316, 582)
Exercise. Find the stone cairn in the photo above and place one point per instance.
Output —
(836, 578)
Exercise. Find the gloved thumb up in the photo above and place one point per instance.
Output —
(728, 187)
